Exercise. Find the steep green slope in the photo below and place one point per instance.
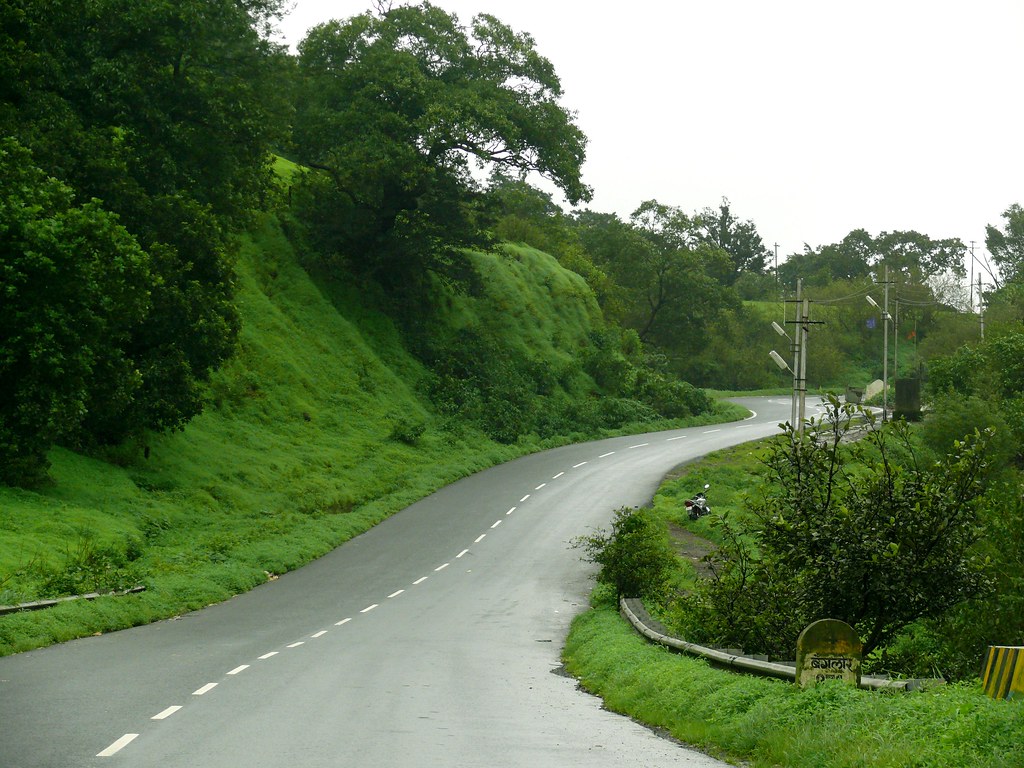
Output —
(314, 431)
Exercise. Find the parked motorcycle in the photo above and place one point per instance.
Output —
(698, 505)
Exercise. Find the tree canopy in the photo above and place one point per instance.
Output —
(397, 109)
(153, 120)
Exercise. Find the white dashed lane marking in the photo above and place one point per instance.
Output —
(346, 621)
(268, 655)
(208, 687)
(577, 466)
(238, 669)
(166, 713)
(118, 745)
(605, 455)
(480, 538)
(296, 645)
(420, 580)
(368, 608)
(496, 524)
(442, 567)
(640, 445)
(463, 552)
(321, 633)
(558, 475)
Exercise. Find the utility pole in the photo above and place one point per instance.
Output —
(797, 339)
(803, 367)
(981, 308)
(885, 349)
(971, 283)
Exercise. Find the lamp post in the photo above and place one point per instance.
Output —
(798, 423)
(885, 353)
(796, 364)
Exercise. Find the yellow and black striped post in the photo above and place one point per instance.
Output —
(1003, 677)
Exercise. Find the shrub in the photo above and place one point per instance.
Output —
(634, 556)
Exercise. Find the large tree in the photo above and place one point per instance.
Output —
(74, 284)
(395, 109)
(1007, 245)
(739, 239)
(164, 111)
(668, 285)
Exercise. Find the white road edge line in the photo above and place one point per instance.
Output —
(118, 745)
(268, 655)
(207, 688)
(166, 713)
(753, 415)
(238, 669)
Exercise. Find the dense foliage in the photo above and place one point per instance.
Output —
(394, 109)
(635, 559)
(153, 121)
(869, 533)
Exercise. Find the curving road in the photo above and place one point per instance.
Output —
(431, 640)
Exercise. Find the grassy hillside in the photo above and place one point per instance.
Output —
(315, 431)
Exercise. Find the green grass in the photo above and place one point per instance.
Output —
(773, 723)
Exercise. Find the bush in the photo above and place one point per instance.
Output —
(634, 556)
(865, 533)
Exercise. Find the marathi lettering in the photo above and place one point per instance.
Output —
(836, 663)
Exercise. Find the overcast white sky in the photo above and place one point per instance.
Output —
(814, 118)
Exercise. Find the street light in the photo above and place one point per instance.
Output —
(779, 361)
(782, 364)
(885, 355)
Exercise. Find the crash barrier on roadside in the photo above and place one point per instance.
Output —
(632, 609)
(1003, 676)
(40, 604)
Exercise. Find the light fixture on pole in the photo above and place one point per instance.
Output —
(885, 357)
(796, 378)
(779, 361)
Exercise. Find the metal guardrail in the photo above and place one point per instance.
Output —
(40, 604)
(632, 610)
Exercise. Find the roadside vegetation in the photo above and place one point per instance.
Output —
(910, 533)
(763, 723)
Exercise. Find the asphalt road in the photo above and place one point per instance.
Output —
(431, 640)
